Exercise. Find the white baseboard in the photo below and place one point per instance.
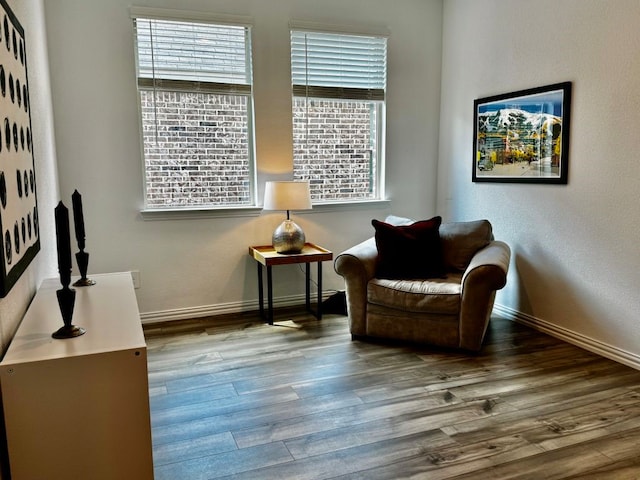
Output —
(220, 309)
(595, 346)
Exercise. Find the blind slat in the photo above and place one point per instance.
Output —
(191, 86)
(338, 92)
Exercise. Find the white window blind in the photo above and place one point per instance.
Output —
(193, 56)
(332, 65)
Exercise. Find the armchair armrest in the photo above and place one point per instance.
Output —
(489, 265)
(357, 266)
(486, 273)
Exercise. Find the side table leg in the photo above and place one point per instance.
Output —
(307, 279)
(260, 292)
(270, 295)
(319, 314)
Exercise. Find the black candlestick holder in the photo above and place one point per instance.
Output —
(66, 302)
(66, 296)
(82, 258)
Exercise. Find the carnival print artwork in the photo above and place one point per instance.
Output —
(18, 206)
(523, 137)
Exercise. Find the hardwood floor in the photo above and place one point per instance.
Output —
(237, 399)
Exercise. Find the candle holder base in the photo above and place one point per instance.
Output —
(68, 331)
(84, 282)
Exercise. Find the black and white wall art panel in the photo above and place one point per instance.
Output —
(18, 206)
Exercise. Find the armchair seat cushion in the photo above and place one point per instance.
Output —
(437, 295)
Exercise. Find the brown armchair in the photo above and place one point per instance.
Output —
(452, 311)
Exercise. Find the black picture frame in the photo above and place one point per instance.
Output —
(523, 136)
(19, 223)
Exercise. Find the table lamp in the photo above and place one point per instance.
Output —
(287, 195)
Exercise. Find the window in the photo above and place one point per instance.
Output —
(339, 86)
(195, 87)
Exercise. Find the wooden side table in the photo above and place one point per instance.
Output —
(266, 256)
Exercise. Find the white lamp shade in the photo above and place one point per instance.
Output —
(284, 195)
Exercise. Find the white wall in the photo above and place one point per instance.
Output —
(576, 261)
(186, 264)
(30, 13)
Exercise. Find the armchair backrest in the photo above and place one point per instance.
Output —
(461, 240)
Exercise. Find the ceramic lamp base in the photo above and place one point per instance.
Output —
(288, 238)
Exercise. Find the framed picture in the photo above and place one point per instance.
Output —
(522, 137)
(18, 207)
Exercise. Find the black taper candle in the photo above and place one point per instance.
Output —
(63, 240)
(78, 218)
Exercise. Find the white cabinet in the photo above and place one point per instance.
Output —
(78, 408)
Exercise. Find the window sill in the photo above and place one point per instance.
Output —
(191, 213)
(346, 206)
(152, 214)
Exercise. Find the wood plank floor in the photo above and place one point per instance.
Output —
(232, 398)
